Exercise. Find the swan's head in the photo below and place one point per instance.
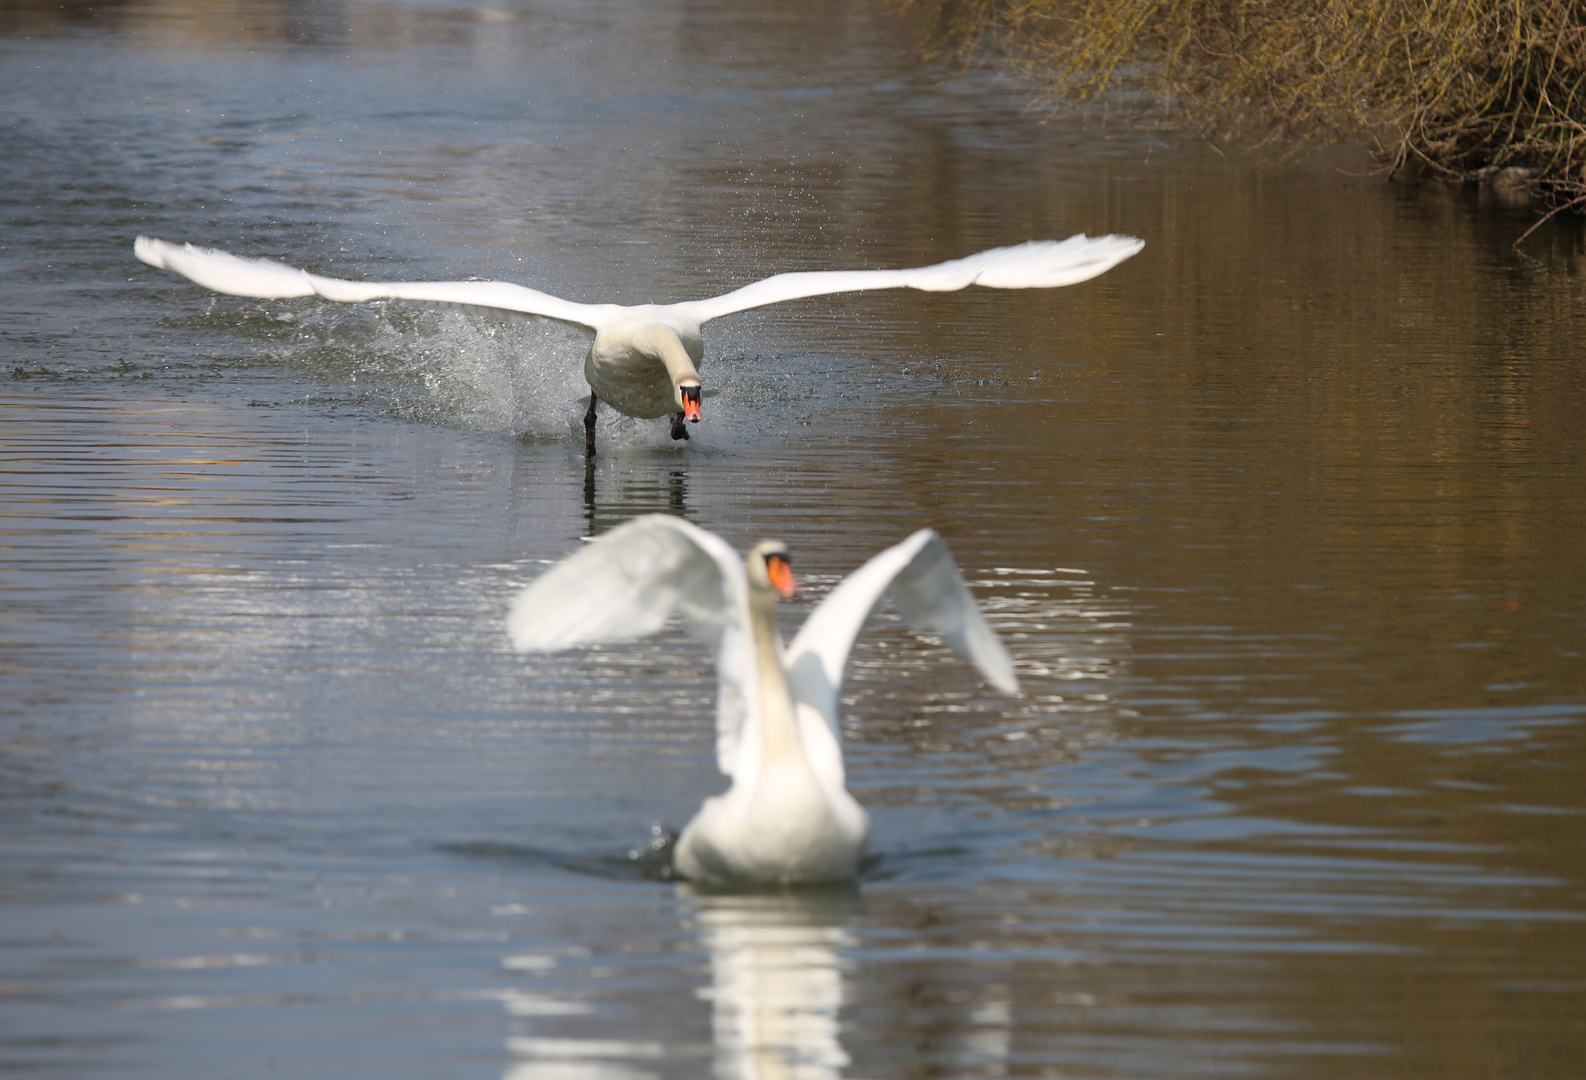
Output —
(688, 395)
(771, 567)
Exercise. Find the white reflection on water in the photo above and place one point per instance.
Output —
(581, 1059)
(547, 1057)
(990, 1038)
(777, 981)
(776, 985)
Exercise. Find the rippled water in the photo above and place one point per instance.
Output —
(1281, 521)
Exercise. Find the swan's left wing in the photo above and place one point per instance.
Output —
(627, 583)
(931, 596)
(1038, 264)
(267, 279)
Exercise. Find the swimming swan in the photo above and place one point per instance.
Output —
(645, 359)
(786, 818)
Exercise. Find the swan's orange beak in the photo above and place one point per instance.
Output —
(780, 573)
(690, 403)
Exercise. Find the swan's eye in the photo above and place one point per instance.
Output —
(779, 571)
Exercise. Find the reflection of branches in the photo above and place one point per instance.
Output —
(777, 981)
(1578, 203)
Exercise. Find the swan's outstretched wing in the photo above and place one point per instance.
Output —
(1038, 264)
(628, 583)
(931, 596)
(266, 279)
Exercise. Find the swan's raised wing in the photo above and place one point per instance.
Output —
(266, 279)
(931, 596)
(1038, 264)
(628, 583)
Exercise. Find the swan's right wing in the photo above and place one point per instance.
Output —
(267, 279)
(931, 596)
(1037, 264)
(627, 583)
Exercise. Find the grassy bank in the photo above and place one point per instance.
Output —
(1456, 89)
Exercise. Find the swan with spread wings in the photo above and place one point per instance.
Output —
(787, 818)
(645, 359)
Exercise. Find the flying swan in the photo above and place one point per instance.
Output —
(645, 359)
(787, 818)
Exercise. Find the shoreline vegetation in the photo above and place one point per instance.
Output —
(1488, 92)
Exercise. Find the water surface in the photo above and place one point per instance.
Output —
(1281, 521)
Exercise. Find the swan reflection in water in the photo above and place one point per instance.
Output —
(777, 973)
(776, 987)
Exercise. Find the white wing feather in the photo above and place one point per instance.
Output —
(1038, 264)
(931, 596)
(628, 583)
(266, 279)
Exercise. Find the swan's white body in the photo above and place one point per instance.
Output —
(787, 818)
(645, 359)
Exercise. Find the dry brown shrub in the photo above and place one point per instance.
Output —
(1457, 87)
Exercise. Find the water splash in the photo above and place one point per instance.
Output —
(524, 376)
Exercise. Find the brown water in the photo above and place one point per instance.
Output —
(1281, 521)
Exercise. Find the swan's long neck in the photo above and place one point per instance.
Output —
(779, 732)
(663, 343)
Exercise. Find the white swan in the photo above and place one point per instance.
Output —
(787, 817)
(645, 359)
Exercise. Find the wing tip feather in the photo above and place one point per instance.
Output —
(1005, 681)
(150, 250)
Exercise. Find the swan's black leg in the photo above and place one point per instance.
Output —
(678, 430)
(589, 427)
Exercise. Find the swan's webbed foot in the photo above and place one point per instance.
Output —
(679, 429)
(589, 427)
